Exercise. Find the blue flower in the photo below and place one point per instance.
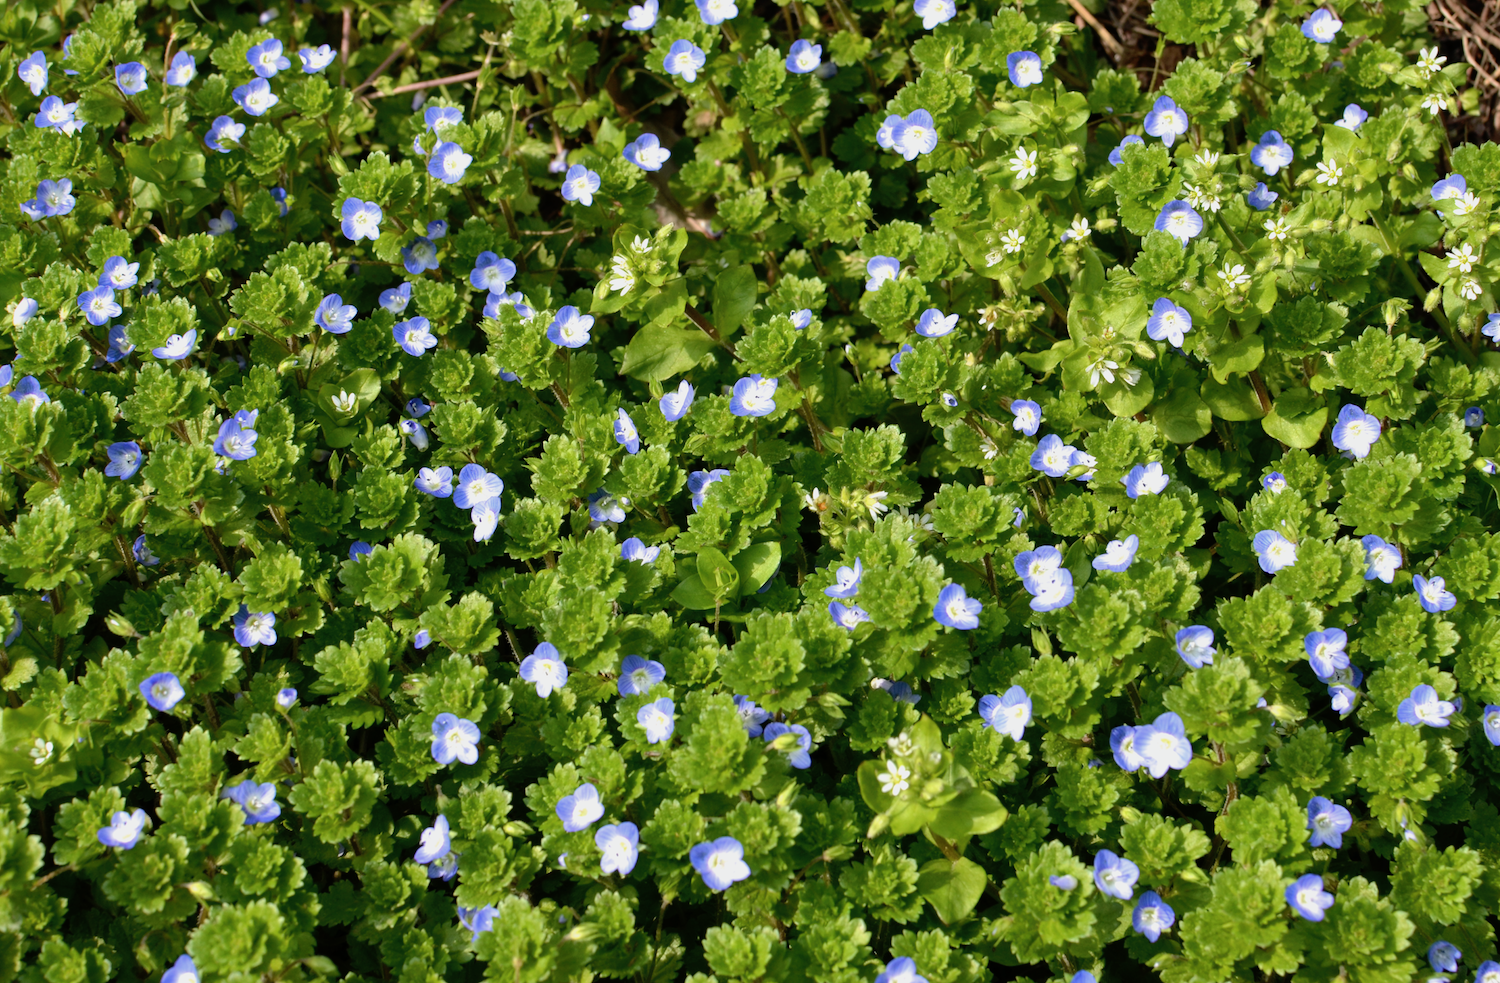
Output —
(222, 133)
(395, 299)
(1325, 652)
(224, 223)
(335, 316)
(849, 616)
(1473, 417)
(626, 434)
(119, 345)
(143, 554)
(1356, 431)
(753, 396)
(1028, 417)
(604, 507)
(674, 405)
(33, 71)
(119, 273)
(846, 583)
(1452, 186)
(902, 969)
(638, 675)
(99, 305)
(1179, 220)
(360, 549)
(1118, 555)
(881, 269)
(414, 336)
(257, 800)
(544, 668)
(1382, 560)
(619, 845)
(1434, 594)
(478, 920)
(1063, 882)
(1274, 550)
(885, 135)
(699, 481)
(1164, 745)
(580, 810)
(182, 71)
(162, 691)
(1024, 68)
(1321, 27)
(579, 185)
(1145, 479)
(658, 720)
(1195, 644)
(646, 152)
(934, 323)
(915, 135)
(131, 78)
(491, 272)
(360, 219)
(804, 57)
(935, 12)
(1488, 972)
(1037, 567)
(956, 609)
(286, 697)
(314, 60)
(1166, 120)
(1275, 482)
(1491, 720)
(896, 358)
(751, 716)
(419, 256)
(1114, 875)
(1152, 916)
(255, 97)
(569, 328)
(1353, 117)
(1424, 707)
(715, 12)
(799, 756)
(124, 459)
(636, 551)
(720, 862)
(1083, 976)
(801, 319)
(493, 303)
(1009, 714)
(1307, 897)
(1443, 956)
(1261, 198)
(684, 58)
(29, 392)
(124, 830)
(1342, 689)
(254, 628)
(1122, 741)
(435, 842)
(54, 198)
(53, 112)
(475, 485)
(266, 59)
(1272, 153)
(437, 117)
(1117, 155)
(184, 970)
(1052, 457)
(1328, 822)
(642, 16)
(421, 639)
(1168, 322)
(454, 738)
(235, 440)
(898, 691)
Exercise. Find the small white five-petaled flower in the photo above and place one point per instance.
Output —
(1275, 228)
(1465, 204)
(1234, 275)
(1024, 163)
(1434, 103)
(621, 278)
(894, 780)
(1012, 241)
(1463, 258)
(1468, 288)
(344, 402)
(41, 752)
(1429, 61)
(1329, 173)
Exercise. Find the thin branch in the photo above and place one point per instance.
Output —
(400, 50)
(417, 86)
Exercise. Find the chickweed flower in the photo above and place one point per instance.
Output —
(1023, 163)
(1233, 276)
(1329, 173)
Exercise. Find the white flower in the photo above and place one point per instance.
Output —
(621, 277)
(894, 780)
(41, 752)
(1467, 204)
(1024, 163)
(875, 502)
(1329, 173)
(1200, 198)
(1234, 275)
(1275, 228)
(641, 244)
(1434, 103)
(1078, 230)
(1208, 158)
(1103, 367)
(1429, 61)
(1012, 241)
(1463, 258)
(901, 745)
(989, 449)
(344, 402)
(1468, 288)
(815, 500)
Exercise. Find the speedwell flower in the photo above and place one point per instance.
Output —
(1195, 644)
(1356, 431)
(1166, 120)
(256, 799)
(1274, 551)
(360, 219)
(454, 738)
(619, 845)
(267, 59)
(436, 842)
(570, 328)
(720, 862)
(1321, 26)
(414, 336)
(1327, 822)
(544, 668)
(934, 12)
(804, 57)
(162, 691)
(1145, 479)
(124, 829)
(1180, 220)
(1114, 875)
(1434, 594)
(846, 582)
(753, 396)
(1307, 897)
(1024, 68)
(252, 628)
(1424, 707)
(956, 609)
(1009, 714)
(646, 152)
(1152, 916)
(1272, 153)
(580, 810)
(684, 59)
(1382, 560)
(335, 316)
(1118, 555)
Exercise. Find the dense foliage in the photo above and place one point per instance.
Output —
(543, 490)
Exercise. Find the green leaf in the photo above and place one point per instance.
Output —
(734, 298)
(1297, 418)
(952, 887)
(756, 564)
(661, 351)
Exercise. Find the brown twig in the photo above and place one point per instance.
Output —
(400, 50)
(417, 86)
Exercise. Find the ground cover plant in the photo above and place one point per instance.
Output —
(831, 491)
